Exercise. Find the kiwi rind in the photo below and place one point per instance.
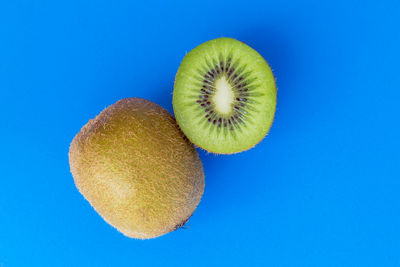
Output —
(136, 168)
(192, 116)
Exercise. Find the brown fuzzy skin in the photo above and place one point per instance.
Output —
(136, 168)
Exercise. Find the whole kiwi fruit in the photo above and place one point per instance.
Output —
(224, 96)
(137, 169)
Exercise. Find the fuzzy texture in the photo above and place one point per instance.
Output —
(136, 168)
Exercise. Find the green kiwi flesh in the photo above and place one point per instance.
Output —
(224, 96)
(136, 168)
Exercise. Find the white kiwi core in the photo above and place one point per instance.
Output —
(223, 96)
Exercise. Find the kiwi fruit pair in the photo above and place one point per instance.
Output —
(137, 165)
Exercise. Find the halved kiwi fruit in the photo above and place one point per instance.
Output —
(137, 169)
(224, 96)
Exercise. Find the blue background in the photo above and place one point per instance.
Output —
(323, 189)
